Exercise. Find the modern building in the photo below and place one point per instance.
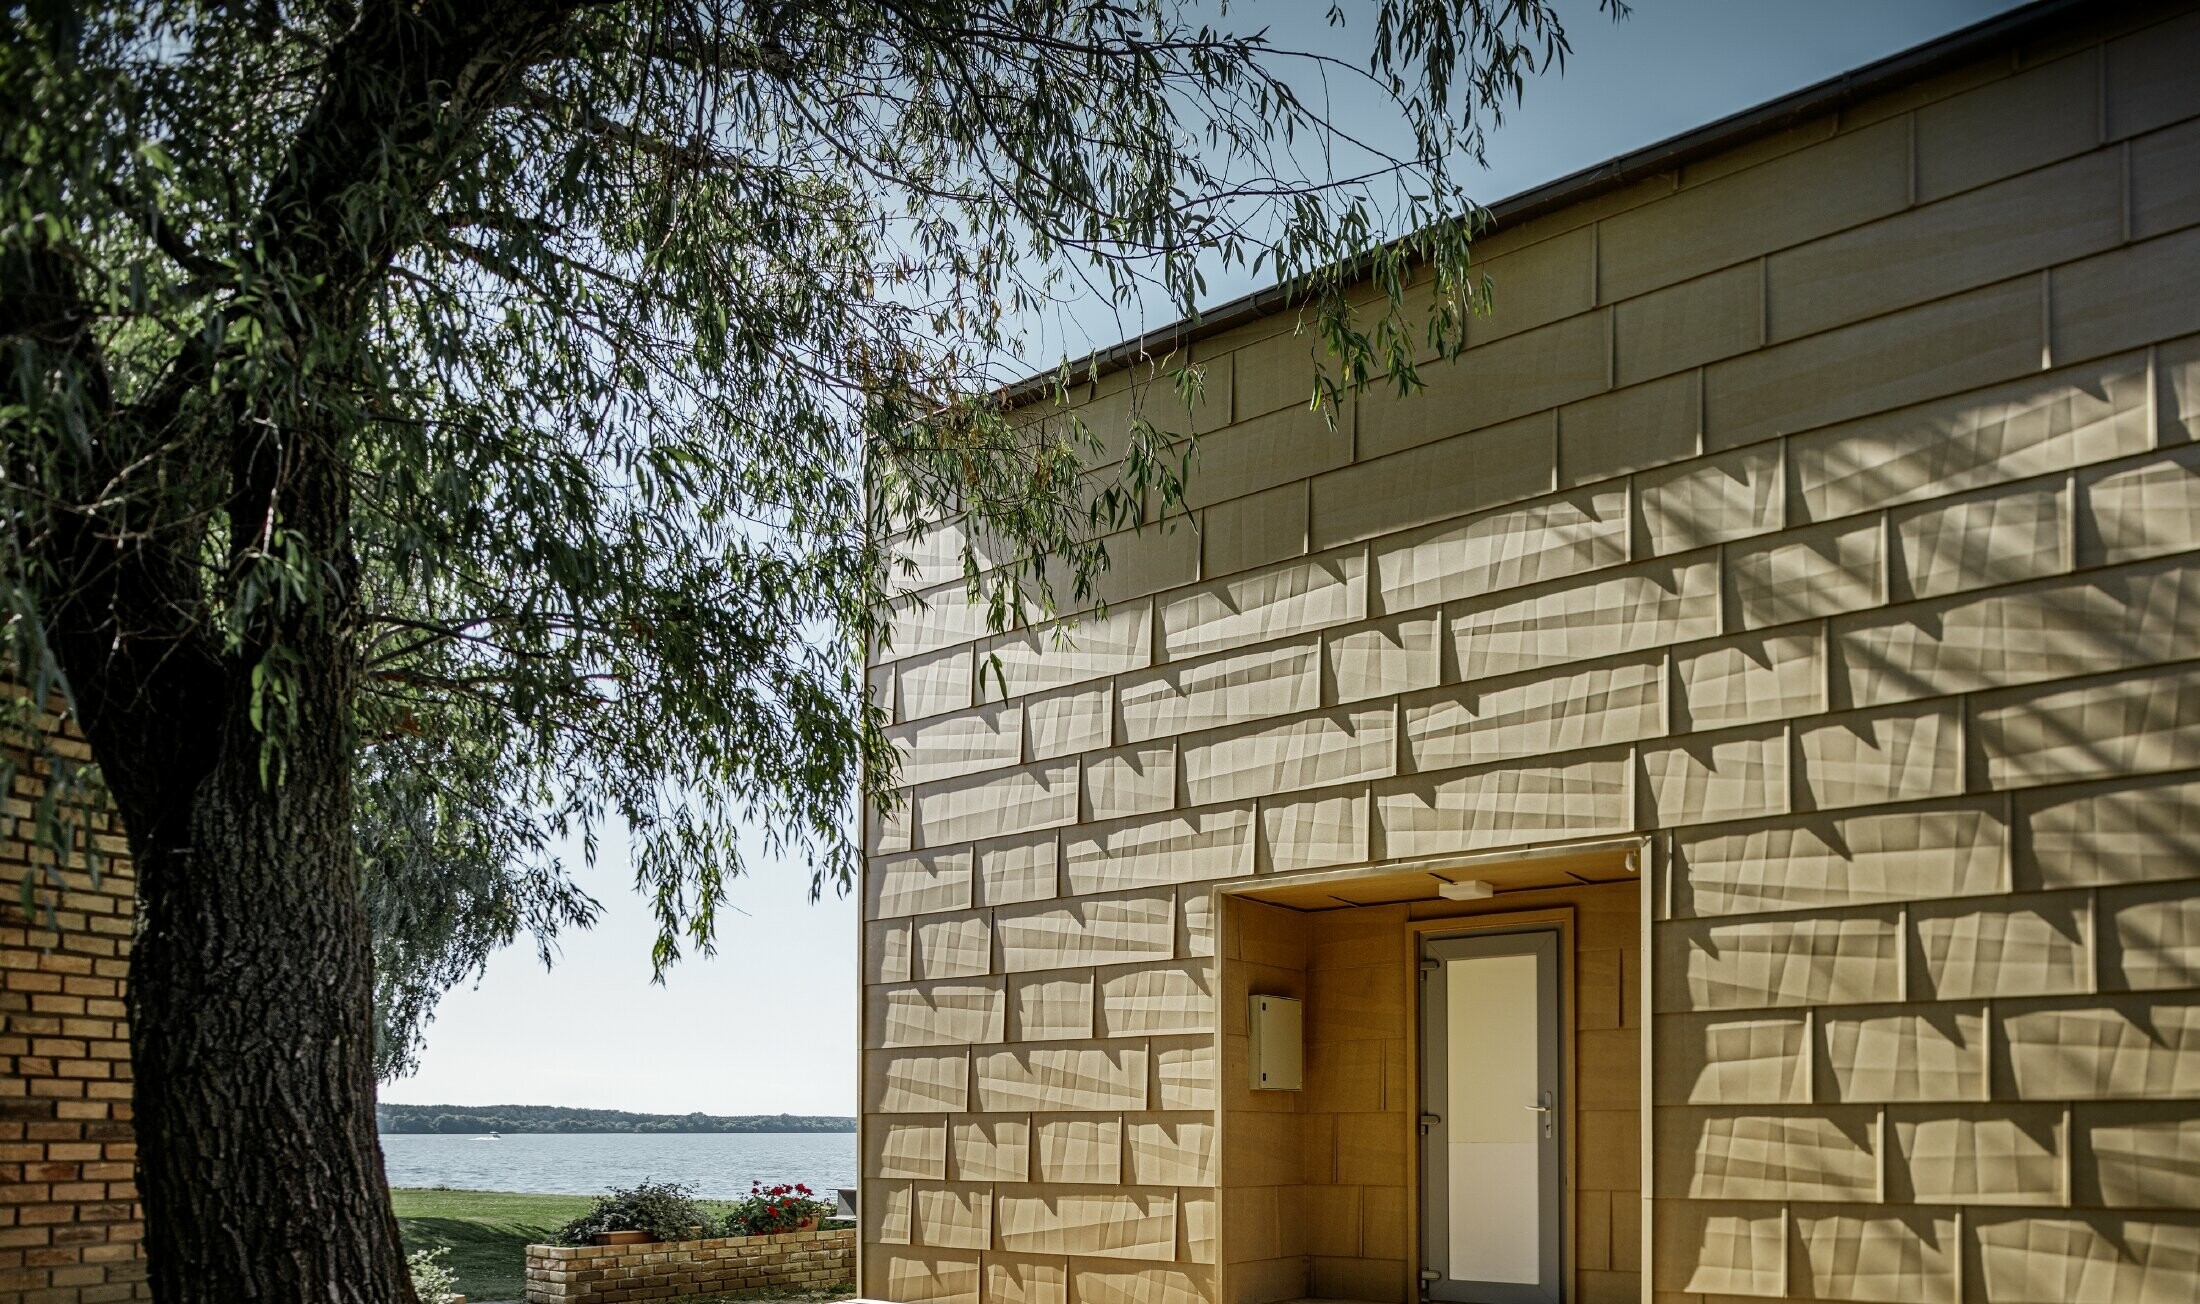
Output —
(1702, 803)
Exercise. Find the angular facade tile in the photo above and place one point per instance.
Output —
(935, 684)
(915, 1082)
(932, 620)
(1711, 500)
(2134, 1048)
(1261, 605)
(2150, 938)
(2126, 831)
(1864, 758)
(2137, 1156)
(2089, 623)
(1785, 201)
(1177, 998)
(1896, 1254)
(948, 746)
(1728, 776)
(1241, 459)
(920, 883)
(2054, 421)
(1171, 1150)
(1429, 815)
(1117, 1224)
(1527, 372)
(953, 946)
(2013, 946)
(1926, 1052)
(1730, 1059)
(1185, 1073)
(1050, 1006)
(1221, 690)
(994, 805)
(1310, 751)
(1077, 1148)
(2007, 126)
(1067, 934)
(1631, 429)
(898, 1147)
(1750, 679)
(1547, 539)
(953, 1217)
(2143, 510)
(1816, 571)
(2130, 724)
(1383, 658)
(1081, 1078)
(1532, 715)
(1016, 869)
(1726, 965)
(1254, 530)
(888, 945)
(1664, 602)
(1066, 652)
(1136, 780)
(2163, 198)
(990, 1148)
(1973, 1154)
(2086, 1258)
(1686, 325)
(1954, 849)
(1073, 720)
(1719, 1249)
(1314, 831)
(2001, 536)
(1180, 847)
(951, 1013)
(1720, 1154)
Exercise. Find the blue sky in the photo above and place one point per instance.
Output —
(769, 1025)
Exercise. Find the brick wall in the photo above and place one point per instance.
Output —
(70, 1228)
(558, 1274)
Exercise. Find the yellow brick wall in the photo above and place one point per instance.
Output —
(1827, 512)
(70, 1227)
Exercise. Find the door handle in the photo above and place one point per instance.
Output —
(1543, 1108)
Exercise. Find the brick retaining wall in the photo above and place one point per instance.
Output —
(70, 1226)
(671, 1270)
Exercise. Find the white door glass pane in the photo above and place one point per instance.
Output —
(1491, 1054)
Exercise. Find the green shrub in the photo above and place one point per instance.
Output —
(432, 1282)
(665, 1210)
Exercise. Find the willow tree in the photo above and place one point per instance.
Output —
(437, 432)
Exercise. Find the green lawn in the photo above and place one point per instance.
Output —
(487, 1232)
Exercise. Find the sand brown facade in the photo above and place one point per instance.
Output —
(1791, 597)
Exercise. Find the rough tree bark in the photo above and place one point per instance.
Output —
(251, 988)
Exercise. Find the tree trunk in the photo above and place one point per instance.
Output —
(251, 1028)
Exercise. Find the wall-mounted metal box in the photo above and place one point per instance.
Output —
(1278, 1044)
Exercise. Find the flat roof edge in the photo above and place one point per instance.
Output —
(1964, 45)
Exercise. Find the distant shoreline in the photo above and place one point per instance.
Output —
(523, 1120)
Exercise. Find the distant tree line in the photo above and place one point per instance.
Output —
(476, 1119)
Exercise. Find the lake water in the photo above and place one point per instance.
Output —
(719, 1165)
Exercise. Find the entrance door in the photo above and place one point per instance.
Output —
(1490, 1122)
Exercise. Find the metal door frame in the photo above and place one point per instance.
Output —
(1546, 942)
